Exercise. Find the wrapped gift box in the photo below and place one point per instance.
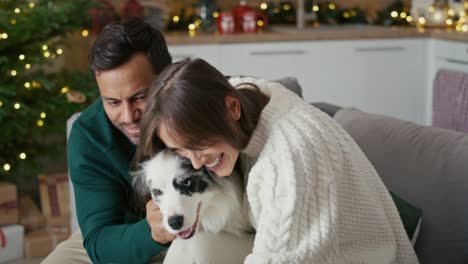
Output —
(11, 242)
(41, 242)
(54, 193)
(29, 214)
(8, 204)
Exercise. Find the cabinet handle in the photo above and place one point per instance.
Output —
(455, 61)
(277, 52)
(379, 49)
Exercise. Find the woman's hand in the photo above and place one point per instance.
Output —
(155, 218)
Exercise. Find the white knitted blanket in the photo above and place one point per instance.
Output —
(314, 196)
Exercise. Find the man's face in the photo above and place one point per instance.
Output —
(123, 91)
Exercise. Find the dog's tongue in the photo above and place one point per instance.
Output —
(186, 233)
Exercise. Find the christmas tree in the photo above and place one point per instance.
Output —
(37, 95)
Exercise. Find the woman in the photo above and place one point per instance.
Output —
(313, 195)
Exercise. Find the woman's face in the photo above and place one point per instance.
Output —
(220, 157)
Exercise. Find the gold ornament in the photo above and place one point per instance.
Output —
(75, 97)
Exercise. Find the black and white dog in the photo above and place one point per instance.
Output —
(199, 207)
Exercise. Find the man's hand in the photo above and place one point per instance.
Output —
(154, 218)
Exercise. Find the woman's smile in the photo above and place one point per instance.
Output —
(216, 163)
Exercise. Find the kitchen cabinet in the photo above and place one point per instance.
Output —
(265, 60)
(378, 76)
(386, 76)
(208, 52)
(389, 77)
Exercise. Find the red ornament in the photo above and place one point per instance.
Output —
(225, 23)
(238, 13)
(101, 16)
(132, 8)
(249, 22)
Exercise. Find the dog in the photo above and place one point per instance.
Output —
(208, 214)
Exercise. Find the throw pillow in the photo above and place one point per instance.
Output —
(410, 215)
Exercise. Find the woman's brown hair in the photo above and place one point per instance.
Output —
(189, 98)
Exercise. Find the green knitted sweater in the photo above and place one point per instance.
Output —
(99, 157)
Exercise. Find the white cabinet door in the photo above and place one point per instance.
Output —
(329, 75)
(453, 52)
(450, 55)
(391, 77)
(265, 60)
(379, 76)
(209, 53)
(316, 65)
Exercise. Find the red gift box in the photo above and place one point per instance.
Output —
(11, 242)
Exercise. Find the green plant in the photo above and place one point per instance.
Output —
(37, 96)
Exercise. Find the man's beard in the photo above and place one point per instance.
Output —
(134, 139)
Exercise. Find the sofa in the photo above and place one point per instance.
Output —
(424, 165)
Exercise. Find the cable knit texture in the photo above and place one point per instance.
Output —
(314, 196)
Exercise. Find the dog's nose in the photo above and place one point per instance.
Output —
(176, 221)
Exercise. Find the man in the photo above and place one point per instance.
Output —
(125, 58)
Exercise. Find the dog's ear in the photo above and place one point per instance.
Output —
(186, 163)
(140, 195)
(139, 183)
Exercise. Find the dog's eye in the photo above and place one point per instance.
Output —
(157, 192)
(187, 182)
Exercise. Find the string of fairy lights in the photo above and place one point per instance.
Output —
(434, 17)
(442, 15)
(48, 53)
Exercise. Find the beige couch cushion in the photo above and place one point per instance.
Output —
(424, 165)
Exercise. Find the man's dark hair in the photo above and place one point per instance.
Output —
(119, 41)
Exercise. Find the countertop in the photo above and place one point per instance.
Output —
(290, 33)
(78, 48)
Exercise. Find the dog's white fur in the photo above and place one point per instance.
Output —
(222, 213)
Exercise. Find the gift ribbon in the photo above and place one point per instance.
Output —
(8, 205)
(52, 193)
(53, 199)
(2, 239)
